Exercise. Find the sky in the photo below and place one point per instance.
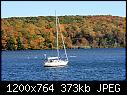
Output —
(48, 8)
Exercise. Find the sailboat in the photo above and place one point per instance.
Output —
(57, 60)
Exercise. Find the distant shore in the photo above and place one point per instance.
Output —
(99, 31)
(66, 48)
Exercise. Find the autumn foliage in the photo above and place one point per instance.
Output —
(101, 31)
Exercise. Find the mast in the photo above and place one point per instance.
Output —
(62, 40)
(57, 36)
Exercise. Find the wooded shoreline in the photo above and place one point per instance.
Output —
(38, 33)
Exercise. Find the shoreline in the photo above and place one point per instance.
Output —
(66, 48)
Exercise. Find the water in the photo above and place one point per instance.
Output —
(84, 65)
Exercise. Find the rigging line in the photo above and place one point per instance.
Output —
(62, 39)
(57, 36)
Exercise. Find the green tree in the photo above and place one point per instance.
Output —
(19, 44)
(10, 44)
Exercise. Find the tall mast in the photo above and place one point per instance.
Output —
(57, 36)
(62, 40)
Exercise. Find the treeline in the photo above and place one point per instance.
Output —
(101, 31)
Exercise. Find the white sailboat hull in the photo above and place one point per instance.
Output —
(55, 63)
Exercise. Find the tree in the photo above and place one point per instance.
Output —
(10, 44)
(68, 42)
(19, 44)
